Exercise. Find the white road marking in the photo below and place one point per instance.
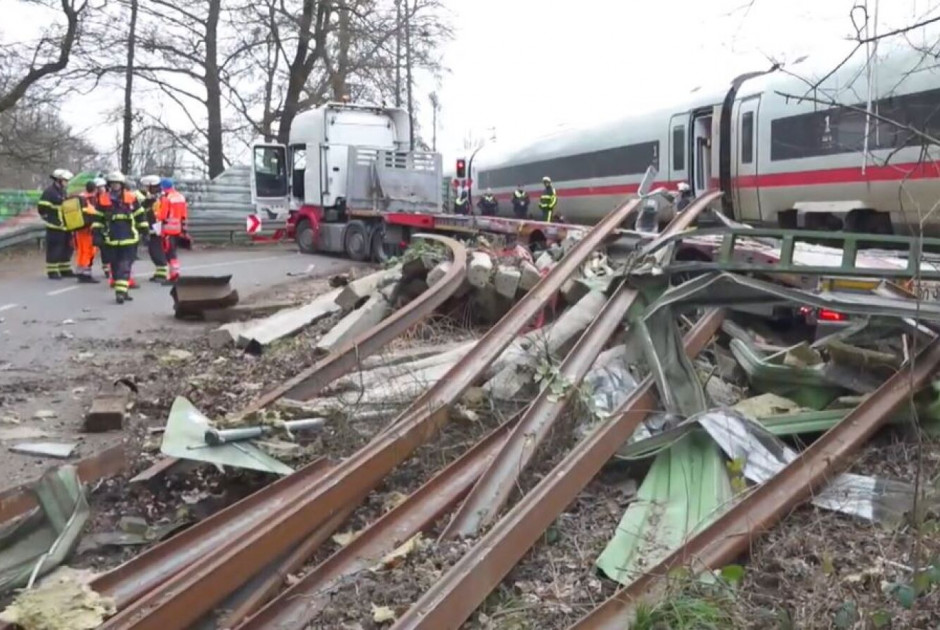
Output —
(7, 307)
(65, 290)
(235, 262)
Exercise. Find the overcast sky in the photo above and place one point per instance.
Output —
(523, 67)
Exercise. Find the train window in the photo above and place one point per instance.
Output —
(678, 148)
(747, 138)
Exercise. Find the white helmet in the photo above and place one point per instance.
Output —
(546, 180)
(116, 176)
(100, 182)
(150, 180)
(61, 173)
(683, 187)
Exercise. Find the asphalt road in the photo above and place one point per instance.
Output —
(33, 309)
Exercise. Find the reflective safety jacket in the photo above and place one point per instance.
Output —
(488, 205)
(121, 219)
(172, 212)
(547, 202)
(520, 199)
(150, 203)
(460, 205)
(50, 207)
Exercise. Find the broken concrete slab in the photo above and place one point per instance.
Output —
(227, 334)
(354, 324)
(288, 322)
(59, 450)
(439, 271)
(192, 295)
(365, 379)
(507, 280)
(514, 368)
(356, 292)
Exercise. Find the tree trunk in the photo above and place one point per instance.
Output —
(338, 80)
(313, 27)
(411, 116)
(214, 91)
(128, 93)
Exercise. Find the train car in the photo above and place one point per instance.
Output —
(783, 152)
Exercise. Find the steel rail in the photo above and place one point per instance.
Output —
(133, 579)
(252, 597)
(732, 534)
(204, 583)
(495, 486)
(296, 607)
(463, 588)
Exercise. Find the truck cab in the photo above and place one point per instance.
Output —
(344, 168)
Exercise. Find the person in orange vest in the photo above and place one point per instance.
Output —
(119, 226)
(172, 214)
(85, 249)
(149, 196)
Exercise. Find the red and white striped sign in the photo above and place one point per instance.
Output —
(253, 224)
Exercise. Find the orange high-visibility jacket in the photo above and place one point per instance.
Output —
(172, 212)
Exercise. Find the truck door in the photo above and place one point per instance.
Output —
(269, 173)
(678, 148)
(744, 162)
(333, 158)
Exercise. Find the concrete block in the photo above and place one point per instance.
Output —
(530, 276)
(438, 272)
(507, 280)
(357, 291)
(480, 270)
(108, 410)
(287, 322)
(544, 261)
(354, 324)
(227, 334)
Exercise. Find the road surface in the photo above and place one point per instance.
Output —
(33, 308)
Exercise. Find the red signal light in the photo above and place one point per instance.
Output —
(461, 168)
(826, 315)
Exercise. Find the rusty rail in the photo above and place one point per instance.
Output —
(136, 577)
(731, 535)
(493, 489)
(296, 607)
(201, 585)
(461, 590)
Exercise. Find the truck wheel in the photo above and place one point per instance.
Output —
(356, 241)
(305, 237)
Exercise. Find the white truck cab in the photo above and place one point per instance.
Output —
(346, 157)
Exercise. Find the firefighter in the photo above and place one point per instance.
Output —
(85, 249)
(101, 186)
(488, 204)
(685, 196)
(548, 200)
(149, 196)
(520, 202)
(119, 227)
(172, 216)
(58, 239)
(462, 203)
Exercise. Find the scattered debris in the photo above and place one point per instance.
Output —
(59, 450)
(45, 414)
(43, 538)
(108, 409)
(193, 295)
(63, 601)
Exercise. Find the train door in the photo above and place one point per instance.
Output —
(678, 148)
(701, 151)
(744, 169)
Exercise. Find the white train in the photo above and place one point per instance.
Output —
(779, 160)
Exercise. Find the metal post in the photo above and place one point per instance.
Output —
(434, 105)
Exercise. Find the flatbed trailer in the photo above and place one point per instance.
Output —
(374, 235)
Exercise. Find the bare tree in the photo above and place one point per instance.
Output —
(25, 66)
(129, 90)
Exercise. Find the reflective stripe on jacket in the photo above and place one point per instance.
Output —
(50, 207)
(548, 199)
(173, 212)
(121, 218)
